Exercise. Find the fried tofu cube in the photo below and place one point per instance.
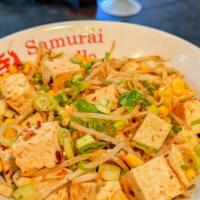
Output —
(18, 92)
(83, 191)
(32, 120)
(186, 139)
(155, 180)
(8, 162)
(60, 194)
(37, 148)
(110, 92)
(192, 113)
(153, 131)
(109, 190)
(176, 160)
(53, 64)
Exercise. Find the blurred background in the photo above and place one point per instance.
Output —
(179, 17)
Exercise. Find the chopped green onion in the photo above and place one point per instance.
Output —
(77, 78)
(44, 103)
(195, 122)
(107, 56)
(8, 134)
(144, 103)
(150, 87)
(84, 106)
(45, 87)
(109, 172)
(62, 98)
(75, 61)
(197, 149)
(89, 148)
(104, 105)
(87, 67)
(176, 128)
(84, 141)
(37, 77)
(130, 99)
(81, 167)
(184, 167)
(97, 125)
(68, 147)
(143, 147)
(25, 192)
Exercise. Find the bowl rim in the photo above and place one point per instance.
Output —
(106, 22)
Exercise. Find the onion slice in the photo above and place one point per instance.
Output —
(107, 117)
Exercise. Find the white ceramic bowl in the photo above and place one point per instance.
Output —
(94, 38)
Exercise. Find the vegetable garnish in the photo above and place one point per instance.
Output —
(130, 99)
(25, 192)
(45, 88)
(83, 62)
(9, 134)
(81, 166)
(62, 98)
(184, 167)
(109, 172)
(176, 128)
(107, 56)
(195, 122)
(44, 103)
(83, 106)
(104, 105)
(37, 77)
(150, 87)
(89, 148)
(84, 141)
(77, 85)
(144, 147)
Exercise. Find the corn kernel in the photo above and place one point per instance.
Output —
(178, 87)
(153, 108)
(133, 160)
(10, 121)
(12, 69)
(190, 174)
(119, 125)
(67, 111)
(65, 122)
(27, 67)
(1, 166)
(9, 113)
(51, 93)
(10, 133)
(165, 91)
(144, 67)
(167, 100)
(163, 110)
